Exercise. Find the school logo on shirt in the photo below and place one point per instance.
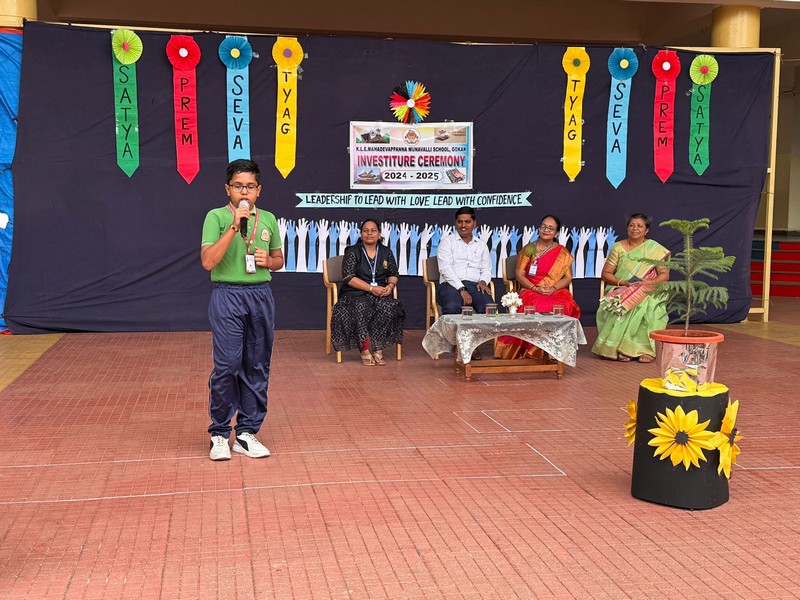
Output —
(265, 235)
(386, 264)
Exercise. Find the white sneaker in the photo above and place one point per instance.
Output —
(219, 448)
(247, 444)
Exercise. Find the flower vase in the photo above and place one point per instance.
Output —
(512, 310)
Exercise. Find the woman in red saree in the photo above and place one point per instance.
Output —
(544, 272)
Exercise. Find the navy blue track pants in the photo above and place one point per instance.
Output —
(242, 321)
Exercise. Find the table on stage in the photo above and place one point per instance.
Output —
(557, 335)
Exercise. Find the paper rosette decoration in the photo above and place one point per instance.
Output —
(184, 54)
(287, 54)
(703, 71)
(576, 65)
(235, 52)
(622, 65)
(666, 67)
(126, 45)
(126, 48)
(410, 102)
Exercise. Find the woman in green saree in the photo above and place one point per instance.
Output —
(627, 313)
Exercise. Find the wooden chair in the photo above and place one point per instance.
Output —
(510, 275)
(430, 277)
(332, 276)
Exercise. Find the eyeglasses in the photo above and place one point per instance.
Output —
(238, 187)
(547, 228)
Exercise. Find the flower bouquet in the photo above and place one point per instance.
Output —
(511, 301)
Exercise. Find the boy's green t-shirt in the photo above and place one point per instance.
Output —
(231, 269)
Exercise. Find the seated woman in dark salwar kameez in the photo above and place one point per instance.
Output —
(367, 317)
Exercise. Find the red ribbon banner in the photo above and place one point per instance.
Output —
(184, 54)
(666, 67)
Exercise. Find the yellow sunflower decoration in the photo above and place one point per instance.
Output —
(630, 426)
(681, 438)
(287, 54)
(725, 439)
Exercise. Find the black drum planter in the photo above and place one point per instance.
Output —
(685, 420)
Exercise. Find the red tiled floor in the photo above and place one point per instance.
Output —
(396, 482)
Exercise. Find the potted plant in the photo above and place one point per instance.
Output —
(683, 425)
(687, 357)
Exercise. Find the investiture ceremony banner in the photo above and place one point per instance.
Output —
(422, 156)
(487, 126)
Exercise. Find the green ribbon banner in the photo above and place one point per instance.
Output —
(699, 128)
(126, 114)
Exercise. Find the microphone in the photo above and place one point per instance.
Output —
(243, 220)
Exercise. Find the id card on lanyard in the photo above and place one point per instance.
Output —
(373, 264)
(250, 263)
(533, 268)
(249, 257)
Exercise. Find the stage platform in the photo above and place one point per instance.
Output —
(384, 482)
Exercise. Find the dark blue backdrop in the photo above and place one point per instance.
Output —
(97, 251)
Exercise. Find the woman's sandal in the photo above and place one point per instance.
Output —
(366, 359)
(623, 358)
(646, 358)
(378, 358)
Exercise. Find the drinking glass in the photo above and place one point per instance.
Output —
(530, 310)
(467, 311)
(558, 309)
(491, 310)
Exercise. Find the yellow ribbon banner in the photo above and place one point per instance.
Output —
(576, 65)
(287, 54)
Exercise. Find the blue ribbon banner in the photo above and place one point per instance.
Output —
(448, 201)
(617, 131)
(236, 53)
(238, 113)
(622, 66)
